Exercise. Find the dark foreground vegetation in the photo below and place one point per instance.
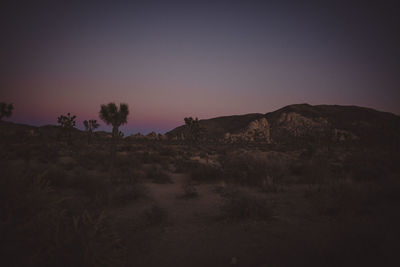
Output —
(69, 202)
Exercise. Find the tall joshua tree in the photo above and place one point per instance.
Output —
(110, 114)
(90, 126)
(67, 123)
(5, 110)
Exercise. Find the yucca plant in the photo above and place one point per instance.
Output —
(5, 110)
(90, 126)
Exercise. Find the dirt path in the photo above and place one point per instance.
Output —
(184, 238)
(192, 234)
(185, 211)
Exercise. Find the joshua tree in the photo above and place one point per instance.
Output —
(110, 114)
(193, 129)
(90, 126)
(67, 123)
(5, 110)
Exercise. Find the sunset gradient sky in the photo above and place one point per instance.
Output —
(171, 59)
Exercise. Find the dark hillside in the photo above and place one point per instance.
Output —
(366, 125)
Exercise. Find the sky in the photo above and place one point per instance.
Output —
(173, 59)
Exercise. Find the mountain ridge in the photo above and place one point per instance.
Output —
(304, 121)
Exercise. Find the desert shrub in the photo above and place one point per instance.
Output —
(155, 215)
(243, 205)
(48, 154)
(168, 151)
(150, 158)
(203, 154)
(124, 176)
(100, 244)
(157, 175)
(250, 171)
(204, 172)
(339, 198)
(189, 190)
(299, 168)
(372, 165)
(366, 169)
(56, 176)
(95, 159)
(270, 185)
(127, 162)
(37, 231)
(96, 188)
(313, 171)
(183, 165)
(122, 195)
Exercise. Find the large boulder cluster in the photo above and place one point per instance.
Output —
(256, 131)
(298, 125)
(287, 125)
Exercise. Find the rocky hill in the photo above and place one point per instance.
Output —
(305, 123)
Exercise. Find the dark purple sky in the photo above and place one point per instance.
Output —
(171, 59)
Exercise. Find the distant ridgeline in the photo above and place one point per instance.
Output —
(303, 123)
(293, 125)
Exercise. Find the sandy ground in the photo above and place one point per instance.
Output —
(194, 234)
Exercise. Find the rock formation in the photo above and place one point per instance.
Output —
(298, 125)
(256, 131)
(342, 135)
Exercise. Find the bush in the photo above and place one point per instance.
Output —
(313, 171)
(56, 176)
(97, 188)
(122, 195)
(189, 190)
(125, 177)
(338, 198)
(250, 171)
(168, 151)
(182, 165)
(204, 173)
(242, 205)
(157, 175)
(37, 231)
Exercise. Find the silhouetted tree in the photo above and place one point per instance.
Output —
(110, 114)
(193, 129)
(90, 126)
(67, 123)
(5, 110)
